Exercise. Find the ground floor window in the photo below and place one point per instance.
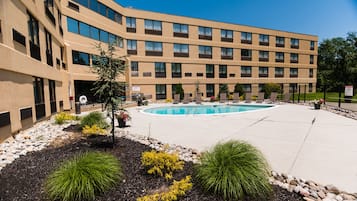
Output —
(39, 97)
(247, 88)
(209, 90)
(310, 87)
(160, 91)
(52, 88)
(292, 87)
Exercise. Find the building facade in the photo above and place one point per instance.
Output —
(47, 48)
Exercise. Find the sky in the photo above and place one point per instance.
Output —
(324, 18)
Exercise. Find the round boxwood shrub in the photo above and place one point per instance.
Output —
(234, 170)
(84, 176)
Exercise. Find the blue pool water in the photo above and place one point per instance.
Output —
(203, 109)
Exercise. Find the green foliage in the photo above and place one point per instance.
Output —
(63, 117)
(238, 88)
(84, 176)
(179, 90)
(161, 163)
(179, 188)
(94, 118)
(223, 88)
(271, 87)
(234, 170)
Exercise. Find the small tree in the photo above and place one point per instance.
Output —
(223, 88)
(271, 87)
(109, 67)
(179, 90)
(239, 89)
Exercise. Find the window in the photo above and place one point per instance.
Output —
(263, 39)
(311, 59)
(263, 56)
(246, 55)
(60, 21)
(226, 53)
(280, 41)
(181, 50)
(293, 72)
(294, 58)
(39, 97)
(263, 72)
(49, 56)
(310, 87)
(131, 47)
(176, 70)
(312, 45)
(72, 25)
(205, 33)
(279, 57)
(261, 88)
(102, 9)
(279, 72)
(131, 24)
(34, 38)
(52, 90)
(294, 43)
(311, 72)
(153, 27)
(93, 5)
(246, 37)
(84, 29)
(104, 36)
(247, 88)
(292, 87)
(50, 11)
(246, 71)
(160, 69)
(181, 30)
(94, 33)
(80, 58)
(222, 71)
(134, 66)
(209, 90)
(160, 92)
(153, 48)
(226, 35)
(205, 52)
(209, 71)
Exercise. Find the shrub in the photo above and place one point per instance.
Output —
(82, 177)
(271, 87)
(233, 170)
(94, 118)
(179, 188)
(239, 88)
(62, 117)
(161, 163)
(93, 130)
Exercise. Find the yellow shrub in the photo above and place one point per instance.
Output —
(161, 163)
(62, 117)
(93, 130)
(178, 188)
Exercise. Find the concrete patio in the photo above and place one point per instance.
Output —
(311, 144)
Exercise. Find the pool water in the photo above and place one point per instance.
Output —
(203, 109)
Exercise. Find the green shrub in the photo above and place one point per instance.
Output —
(161, 163)
(83, 177)
(234, 170)
(94, 118)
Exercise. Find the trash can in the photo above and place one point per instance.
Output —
(78, 108)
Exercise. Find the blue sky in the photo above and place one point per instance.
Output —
(325, 18)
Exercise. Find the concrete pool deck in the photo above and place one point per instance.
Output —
(311, 144)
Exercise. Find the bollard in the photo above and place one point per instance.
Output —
(78, 108)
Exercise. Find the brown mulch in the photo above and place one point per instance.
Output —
(24, 178)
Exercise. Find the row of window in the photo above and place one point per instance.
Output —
(87, 30)
(182, 50)
(246, 71)
(161, 92)
(181, 30)
(102, 9)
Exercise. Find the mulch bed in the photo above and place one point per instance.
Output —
(23, 179)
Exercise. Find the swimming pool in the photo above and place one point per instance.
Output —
(203, 109)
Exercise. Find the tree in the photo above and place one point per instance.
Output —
(337, 63)
(223, 88)
(109, 67)
(239, 89)
(271, 87)
(179, 90)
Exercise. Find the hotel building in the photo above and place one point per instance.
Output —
(47, 48)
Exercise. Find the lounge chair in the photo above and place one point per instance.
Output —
(260, 98)
(248, 97)
(176, 98)
(222, 97)
(287, 97)
(198, 98)
(273, 97)
(186, 98)
(236, 97)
